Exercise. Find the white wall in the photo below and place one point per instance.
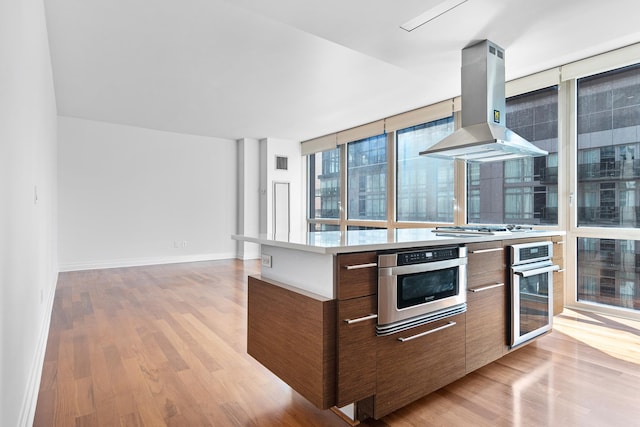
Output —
(248, 196)
(129, 196)
(269, 149)
(28, 260)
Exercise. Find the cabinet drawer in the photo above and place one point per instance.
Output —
(356, 349)
(486, 333)
(486, 264)
(410, 369)
(357, 274)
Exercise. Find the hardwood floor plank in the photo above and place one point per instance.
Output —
(82, 364)
(166, 345)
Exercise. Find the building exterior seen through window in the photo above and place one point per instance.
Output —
(607, 272)
(608, 144)
(608, 184)
(425, 185)
(367, 179)
(324, 188)
(520, 191)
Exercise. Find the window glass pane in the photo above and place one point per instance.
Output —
(608, 141)
(424, 184)
(324, 184)
(520, 191)
(367, 178)
(608, 272)
(324, 227)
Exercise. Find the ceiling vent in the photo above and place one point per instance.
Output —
(282, 163)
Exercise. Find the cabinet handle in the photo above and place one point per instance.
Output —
(360, 319)
(413, 337)
(561, 242)
(359, 266)
(486, 288)
(560, 271)
(484, 251)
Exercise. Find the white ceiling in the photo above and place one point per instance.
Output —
(299, 69)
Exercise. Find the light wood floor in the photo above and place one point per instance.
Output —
(165, 345)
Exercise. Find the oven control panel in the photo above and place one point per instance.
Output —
(427, 255)
(530, 252)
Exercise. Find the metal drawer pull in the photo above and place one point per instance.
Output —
(560, 271)
(486, 288)
(484, 251)
(360, 319)
(561, 242)
(358, 266)
(413, 337)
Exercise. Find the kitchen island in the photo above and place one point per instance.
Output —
(312, 316)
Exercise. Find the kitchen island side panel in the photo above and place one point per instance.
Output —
(293, 335)
(308, 271)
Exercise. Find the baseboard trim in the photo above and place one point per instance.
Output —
(248, 256)
(28, 411)
(137, 262)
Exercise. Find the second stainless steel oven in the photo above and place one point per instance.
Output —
(531, 290)
(419, 286)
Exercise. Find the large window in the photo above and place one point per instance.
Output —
(608, 143)
(367, 179)
(607, 188)
(520, 191)
(424, 185)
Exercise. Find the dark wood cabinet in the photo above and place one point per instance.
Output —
(356, 349)
(357, 285)
(558, 276)
(487, 298)
(416, 362)
(293, 335)
(328, 350)
(357, 274)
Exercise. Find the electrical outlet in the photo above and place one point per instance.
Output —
(175, 244)
(266, 261)
(184, 243)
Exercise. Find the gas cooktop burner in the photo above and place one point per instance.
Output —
(481, 229)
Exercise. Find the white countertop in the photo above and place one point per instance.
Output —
(334, 242)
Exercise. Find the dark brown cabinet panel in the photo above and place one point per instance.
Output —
(357, 274)
(356, 349)
(486, 263)
(411, 366)
(293, 335)
(487, 298)
(558, 276)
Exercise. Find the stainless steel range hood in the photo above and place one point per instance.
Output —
(483, 136)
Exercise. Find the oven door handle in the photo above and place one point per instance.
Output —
(431, 331)
(534, 271)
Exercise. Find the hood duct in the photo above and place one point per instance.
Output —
(483, 136)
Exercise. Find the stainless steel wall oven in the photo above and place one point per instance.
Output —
(531, 290)
(420, 286)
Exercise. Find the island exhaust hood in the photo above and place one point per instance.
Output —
(483, 136)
